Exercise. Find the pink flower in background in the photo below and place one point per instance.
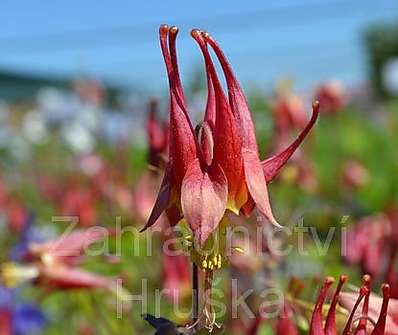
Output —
(14, 210)
(176, 276)
(158, 136)
(372, 243)
(79, 201)
(373, 307)
(300, 171)
(366, 243)
(332, 97)
(374, 321)
(16, 214)
(50, 189)
(55, 264)
(284, 324)
(355, 174)
(289, 113)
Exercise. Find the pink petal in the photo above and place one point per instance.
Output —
(65, 277)
(256, 184)
(203, 199)
(70, 245)
(347, 300)
(273, 164)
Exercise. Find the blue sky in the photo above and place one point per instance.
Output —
(310, 40)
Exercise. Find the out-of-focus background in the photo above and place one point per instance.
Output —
(79, 81)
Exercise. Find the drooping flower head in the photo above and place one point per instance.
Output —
(216, 166)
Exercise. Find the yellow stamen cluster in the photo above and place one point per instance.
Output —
(13, 274)
(213, 254)
(188, 241)
(213, 263)
(239, 250)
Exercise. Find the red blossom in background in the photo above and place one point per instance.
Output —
(14, 210)
(377, 327)
(5, 321)
(366, 243)
(216, 167)
(331, 96)
(373, 305)
(16, 214)
(301, 172)
(176, 276)
(284, 325)
(158, 136)
(355, 174)
(79, 201)
(289, 113)
(372, 244)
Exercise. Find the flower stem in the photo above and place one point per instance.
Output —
(195, 293)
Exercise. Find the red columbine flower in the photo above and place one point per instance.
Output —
(319, 327)
(217, 167)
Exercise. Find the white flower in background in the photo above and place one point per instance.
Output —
(57, 106)
(78, 137)
(390, 76)
(116, 127)
(90, 116)
(34, 127)
(18, 147)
